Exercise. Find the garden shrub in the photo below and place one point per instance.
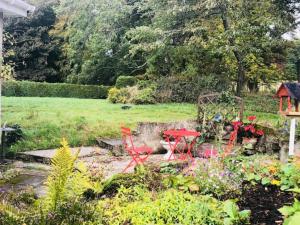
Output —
(125, 81)
(14, 136)
(291, 213)
(64, 202)
(215, 179)
(132, 95)
(113, 94)
(116, 95)
(143, 175)
(144, 96)
(138, 206)
(36, 89)
(141, 84)
(178, 89)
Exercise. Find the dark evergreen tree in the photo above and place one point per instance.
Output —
(34, 52)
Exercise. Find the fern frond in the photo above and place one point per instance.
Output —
(62, 168)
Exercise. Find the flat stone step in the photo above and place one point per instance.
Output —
(113, 145)
(45, 156)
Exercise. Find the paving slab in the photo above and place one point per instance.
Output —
(111, 165)
(45, 156)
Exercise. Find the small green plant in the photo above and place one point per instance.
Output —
(168, 168)
(67, 180)
(234, 215)
(290, 177)
(213, 178)
(180, 182)
(291, 213)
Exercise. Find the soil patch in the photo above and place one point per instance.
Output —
(264, 203)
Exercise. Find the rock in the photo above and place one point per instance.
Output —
(115, 146)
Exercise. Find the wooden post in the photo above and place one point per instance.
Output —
(289, 104)
(280, 105)
(292, 137)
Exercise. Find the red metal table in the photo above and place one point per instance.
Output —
(181, 135)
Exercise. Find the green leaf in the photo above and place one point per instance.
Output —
(286, 210)
(265, 181)
(294, 220)
(230, 208)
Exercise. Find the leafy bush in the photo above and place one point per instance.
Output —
(125, 81)
(64, 202)
(132, 95)
(290, 177)
(138, 206)
(113, 94)
(214, 179)
(116, 95)
(141, 84)
(177, 89)
(144, 96)
(36, 89)
(143, 175)
(14, 136)
(291, 213)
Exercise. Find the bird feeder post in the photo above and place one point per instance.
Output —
(292, 137)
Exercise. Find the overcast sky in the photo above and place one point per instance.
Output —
(295, 34)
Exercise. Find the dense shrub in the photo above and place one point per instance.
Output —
(137, 206)
(177, 89)
(132, 95)
(125, 81)
(116, 95)
(36, 89)
(144, 96)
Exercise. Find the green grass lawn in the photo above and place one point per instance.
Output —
(46, 120)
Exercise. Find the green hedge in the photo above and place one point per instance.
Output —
(35, 89)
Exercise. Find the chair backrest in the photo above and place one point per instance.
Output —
(127, 139)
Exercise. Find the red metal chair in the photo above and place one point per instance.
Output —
(138, 154)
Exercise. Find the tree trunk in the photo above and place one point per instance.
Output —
(238, 56)
(253, 86)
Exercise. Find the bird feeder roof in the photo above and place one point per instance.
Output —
(15, 7)
(289, 90)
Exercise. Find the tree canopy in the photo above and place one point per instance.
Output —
(237, 42)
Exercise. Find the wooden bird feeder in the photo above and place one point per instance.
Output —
(291, 93)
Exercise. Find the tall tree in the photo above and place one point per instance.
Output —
(243, 34)
(35, 53)
(94, 44)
